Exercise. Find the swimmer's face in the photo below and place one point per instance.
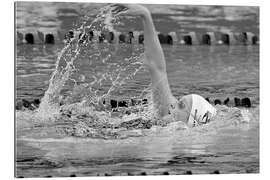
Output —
(185, 103)
(183, 109)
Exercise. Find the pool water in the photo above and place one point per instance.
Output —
(80, 138)
(211, 71)
(229, 144)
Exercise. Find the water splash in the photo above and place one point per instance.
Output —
(50, 103)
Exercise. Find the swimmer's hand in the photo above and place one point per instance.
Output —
(132, 9)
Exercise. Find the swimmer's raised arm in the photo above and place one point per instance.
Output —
(190, 108)
(153, 51)
(155, 60)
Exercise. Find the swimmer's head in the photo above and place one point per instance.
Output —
(181, 109)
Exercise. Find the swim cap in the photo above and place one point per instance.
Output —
(201, 111)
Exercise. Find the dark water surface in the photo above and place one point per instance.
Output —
(61, 16)
(212, 71)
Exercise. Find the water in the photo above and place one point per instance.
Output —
(212, 71)
(86, 140)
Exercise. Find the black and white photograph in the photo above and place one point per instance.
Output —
(114, 89)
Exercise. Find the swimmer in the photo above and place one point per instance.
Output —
(191, 109)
